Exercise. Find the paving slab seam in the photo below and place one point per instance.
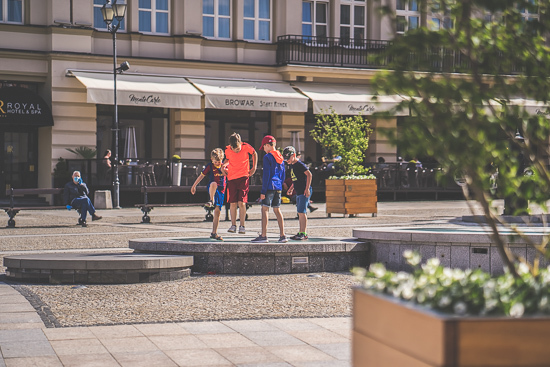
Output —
(41, 308)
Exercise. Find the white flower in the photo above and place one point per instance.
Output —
(460, 308)
(459, 274)
(413, 258)
(543, 303)
(359, 273)
(517, 310)
(421, 298)
(378, 269)
(396, 292)
(523, 269)
(408, 291)
(490, 304)
(422, 281)
(368, 283)
(403, 276)
(434, 261)
(444, 301)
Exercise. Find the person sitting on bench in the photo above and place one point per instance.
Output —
(75, 195)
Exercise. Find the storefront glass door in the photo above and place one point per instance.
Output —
(18, 159)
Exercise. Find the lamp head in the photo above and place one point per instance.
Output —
(107, 12)
(119, 10)
(112, 11)
(124, 66)
(518, 137)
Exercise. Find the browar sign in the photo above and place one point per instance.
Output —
(21, 106)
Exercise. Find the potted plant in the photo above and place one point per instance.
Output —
(465, 114)
(176, 169)
(348, 189)
(439, 316)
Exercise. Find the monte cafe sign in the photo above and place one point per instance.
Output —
(21, 106)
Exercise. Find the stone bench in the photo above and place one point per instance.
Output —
(101, 268)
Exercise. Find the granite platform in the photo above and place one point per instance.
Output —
(100, 268)
(237, 255)
(459, 247)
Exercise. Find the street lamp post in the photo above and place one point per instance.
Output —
(111, 11)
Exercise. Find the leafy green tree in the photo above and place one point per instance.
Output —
(466, 86)
(345, 137)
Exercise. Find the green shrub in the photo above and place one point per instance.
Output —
(345, 137)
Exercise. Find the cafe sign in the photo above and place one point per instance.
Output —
(22, 107)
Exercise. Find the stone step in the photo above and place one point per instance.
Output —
(237, 255)
(102, 268)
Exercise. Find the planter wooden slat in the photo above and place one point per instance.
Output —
(364, 195)
(351, 196)
(373, 353)
(388, 330)
(329, 183)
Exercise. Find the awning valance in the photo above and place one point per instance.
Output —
(140, 90)
(250, 95)
(348, 99)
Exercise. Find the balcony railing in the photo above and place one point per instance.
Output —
(369, 54)
(330, 51)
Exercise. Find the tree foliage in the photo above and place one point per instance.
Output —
(466, 88)
(345, 137)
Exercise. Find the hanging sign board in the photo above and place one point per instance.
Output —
(21, 106)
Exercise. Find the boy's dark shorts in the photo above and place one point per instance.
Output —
(272, 199)
(237, 190)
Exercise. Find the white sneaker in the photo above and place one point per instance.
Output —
(241, 230)
(232, 229)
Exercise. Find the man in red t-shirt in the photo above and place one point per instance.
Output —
(237, 166)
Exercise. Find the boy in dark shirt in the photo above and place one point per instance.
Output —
(301, 185)
(216, 188)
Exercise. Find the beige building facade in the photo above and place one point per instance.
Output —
(199, 70)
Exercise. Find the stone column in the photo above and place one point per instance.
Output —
(379, 146)
(282, 123)
(188, 129)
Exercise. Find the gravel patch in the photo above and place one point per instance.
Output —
(199, 298)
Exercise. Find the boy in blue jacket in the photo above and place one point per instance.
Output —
(272, 185)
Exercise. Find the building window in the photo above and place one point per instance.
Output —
(153, 16)
(352, 22)
(531, 12)
(257, 20)
(440, 18)
(11, 11)
(216, 18)
(99, 23)
(314, 20)
(407, 15)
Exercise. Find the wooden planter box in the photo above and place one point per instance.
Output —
(351, 197)
(390, 332)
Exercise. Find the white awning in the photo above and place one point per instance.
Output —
(140, 90)
(348, 99)
(250, 95)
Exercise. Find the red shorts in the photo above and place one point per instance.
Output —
(237, 190)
